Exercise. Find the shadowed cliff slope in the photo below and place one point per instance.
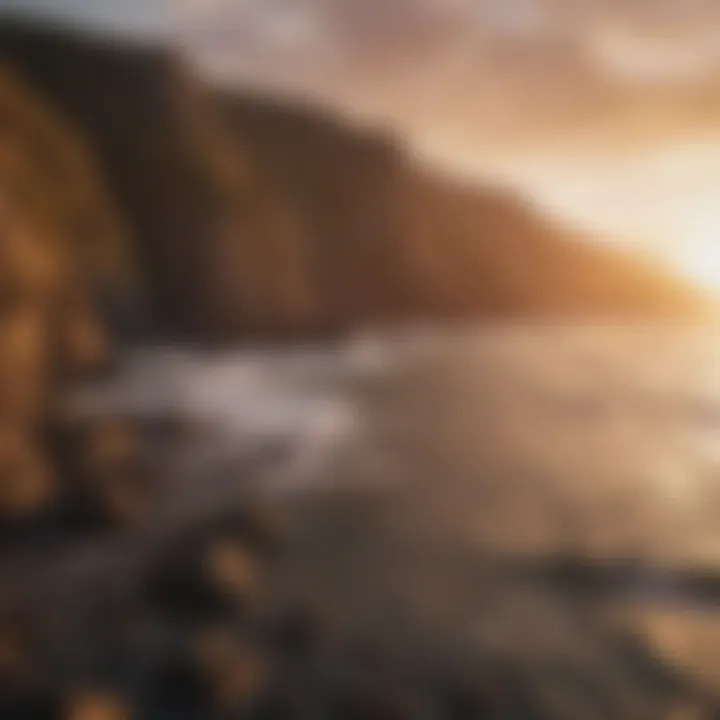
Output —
(259, 218)
(200, 222)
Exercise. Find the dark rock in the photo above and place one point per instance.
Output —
(212, 570)
(380, 704)
(28, 487)
(298, 635)
(98, 705)
(25, 690)
(108, 484)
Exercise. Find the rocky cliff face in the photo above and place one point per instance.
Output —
(256, 218)
(391, 240)
(217, 252)
(61, 251)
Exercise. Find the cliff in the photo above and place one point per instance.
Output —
(393, 240)
(252, 217)
(62, 249)
(62, 265)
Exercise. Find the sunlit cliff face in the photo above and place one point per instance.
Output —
(607, 112)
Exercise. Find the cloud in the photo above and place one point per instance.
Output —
(492, 68)
(630, 55)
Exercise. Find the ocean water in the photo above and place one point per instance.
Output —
(597, 421)
(416, 466)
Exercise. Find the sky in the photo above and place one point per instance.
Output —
(607, 112)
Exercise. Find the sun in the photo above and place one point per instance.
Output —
(702, 263)
(699, 253)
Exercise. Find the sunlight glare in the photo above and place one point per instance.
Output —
(699, 255)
